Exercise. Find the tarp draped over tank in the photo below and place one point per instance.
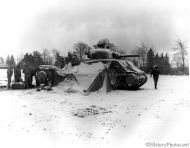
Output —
(87, 78)
(105, 74)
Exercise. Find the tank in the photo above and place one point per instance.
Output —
(121, 72)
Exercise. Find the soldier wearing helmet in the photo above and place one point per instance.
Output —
(9, 75)
(155, 72)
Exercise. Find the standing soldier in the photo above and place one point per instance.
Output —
(9, 75)
(36, 76)
(27, 75)
(155, 72)
(17, 73)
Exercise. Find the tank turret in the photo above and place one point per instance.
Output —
(96, 54)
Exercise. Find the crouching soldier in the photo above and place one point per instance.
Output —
(155, 72)
(50, 77)
(9, 75)
(42, 79)
(45, 78)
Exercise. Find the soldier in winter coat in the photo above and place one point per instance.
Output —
(17, 73)
(155, 72)
(9, 75)
(27, 75)
(45, 78)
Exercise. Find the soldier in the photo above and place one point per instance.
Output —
(36, 77)
(33, 74)
(9, 75)
(45, 78)
(155, 72)
(50, 77)
(27, 75)
(17, 73)
(42, 79)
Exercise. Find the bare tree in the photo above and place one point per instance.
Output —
(141, 50)
(81, 48)
(46, 56)
(176, 61)
(180, 54)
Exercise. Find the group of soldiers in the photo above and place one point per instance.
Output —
(42, 78)
(46, 78)
(17, 74)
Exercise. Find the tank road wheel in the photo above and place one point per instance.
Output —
(131, 80)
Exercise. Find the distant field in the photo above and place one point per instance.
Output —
(3, 73)
(3, 77)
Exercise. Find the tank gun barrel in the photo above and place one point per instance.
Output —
(128, 55)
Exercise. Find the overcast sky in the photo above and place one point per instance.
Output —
(37, 24)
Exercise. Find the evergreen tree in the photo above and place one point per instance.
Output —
(75, 60)
(59, 60)
(69, 58)
(149, 60)
(72, 58)
(37, 58)
(28, 59)
(156, 59)
(25, 59)
(12, 61)
(167, 64)
(161, 64)
(1, 60)
(8, 60)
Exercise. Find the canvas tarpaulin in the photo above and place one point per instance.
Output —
(88, 78)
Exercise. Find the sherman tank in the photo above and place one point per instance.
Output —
(121, 72)
(102, 70)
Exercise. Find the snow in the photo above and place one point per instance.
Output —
(90, 69)
(121, 118)
(84, 69)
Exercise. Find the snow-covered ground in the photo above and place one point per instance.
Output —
(56, 119)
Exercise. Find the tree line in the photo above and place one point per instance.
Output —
(162, 61)
(9, 61)
(146, 60)
(177, 65)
